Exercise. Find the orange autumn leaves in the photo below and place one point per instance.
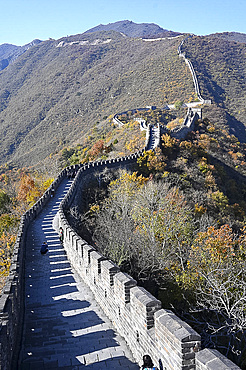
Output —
(215, 249)
(30, 190)
(18, 194)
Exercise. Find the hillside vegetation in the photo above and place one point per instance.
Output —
(220, 65)
(177, 225)
(19, 190)
(57, 90)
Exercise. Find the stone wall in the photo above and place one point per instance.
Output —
(153, 136)
(209, 359)
(179, 133)
(192, 116)
(193, 73)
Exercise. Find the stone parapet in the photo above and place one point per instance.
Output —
(211, 359)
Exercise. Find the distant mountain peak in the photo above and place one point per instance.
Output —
(132, 29)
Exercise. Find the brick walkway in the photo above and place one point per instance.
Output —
(64, 327)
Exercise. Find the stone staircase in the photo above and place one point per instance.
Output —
(64, 328)
(154, 137)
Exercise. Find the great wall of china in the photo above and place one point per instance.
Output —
(135, 313)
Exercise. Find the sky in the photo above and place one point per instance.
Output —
(22, 21)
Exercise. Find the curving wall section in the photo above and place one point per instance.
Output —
(153, 137)
(153, 133)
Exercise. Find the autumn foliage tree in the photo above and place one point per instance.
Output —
(7, 241)
(98, 149)
(143, 225)
(215, 272)
(113, 228)
(18, 193)
(28, 191)
(152, 162)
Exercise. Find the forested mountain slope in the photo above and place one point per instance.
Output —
(220, 65)
(57, 90)
(231, 36)
(9, 53)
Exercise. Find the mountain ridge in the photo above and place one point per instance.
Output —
(9, 53)
(131, 29)
(230, 36)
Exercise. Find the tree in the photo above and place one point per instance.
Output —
(28, 192)
(152, 161)
(7, 241)
(169, 144)
(4, 201)
(113, 225)
(178, 104)
(144, 225)
(216, 274)
(8, 223)
(46, 184)
(163, 228)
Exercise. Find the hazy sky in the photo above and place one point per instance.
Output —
(21, 21)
